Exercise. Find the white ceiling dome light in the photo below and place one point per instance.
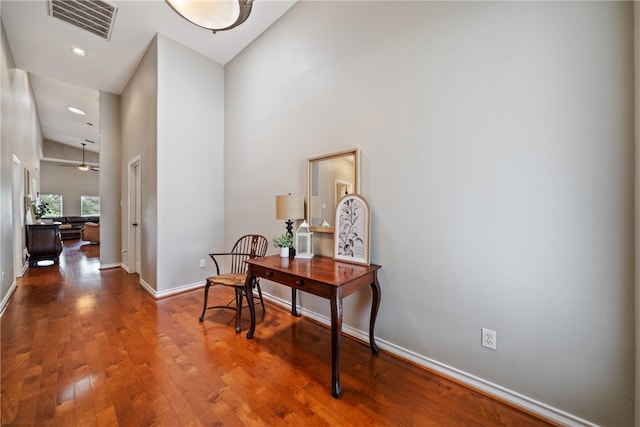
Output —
(215, 15)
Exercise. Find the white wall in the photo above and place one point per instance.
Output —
(190, 164)
(56, 178)
(58, 151)
(173, 118)
(138, 121)
(20, 136)
(71, 183)
(497, 144)
(110, 181)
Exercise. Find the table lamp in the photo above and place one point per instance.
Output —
(289, 207)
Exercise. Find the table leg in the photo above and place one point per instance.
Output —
(336, 334)
(375, 305)
(294, 302)
(248, 290)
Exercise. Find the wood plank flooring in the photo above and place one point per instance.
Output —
(80, 346)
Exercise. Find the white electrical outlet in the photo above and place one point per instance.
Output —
(489, 338)
(202, 264)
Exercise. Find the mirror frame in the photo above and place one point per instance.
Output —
(356, 181)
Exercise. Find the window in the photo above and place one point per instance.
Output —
(89, 205)
(54, 203)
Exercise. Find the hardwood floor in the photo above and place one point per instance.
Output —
(87, 347)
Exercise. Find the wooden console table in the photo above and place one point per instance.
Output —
(43, 242)
(324, 277)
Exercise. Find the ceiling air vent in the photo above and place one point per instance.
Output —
(94, 16)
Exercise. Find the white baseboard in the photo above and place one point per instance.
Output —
(147, 288)
(25, 267)
(12, 288)
(496, 390)
(108, 266)
(173, 291)
(5, 301)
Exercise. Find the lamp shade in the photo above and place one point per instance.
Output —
(290, 207)
(215, 15)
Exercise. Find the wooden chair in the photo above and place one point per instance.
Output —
(249, 246)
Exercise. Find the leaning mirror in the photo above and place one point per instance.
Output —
(330, 177)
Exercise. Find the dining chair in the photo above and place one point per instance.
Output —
(247, 247)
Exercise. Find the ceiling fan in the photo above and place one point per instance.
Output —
(83, 166)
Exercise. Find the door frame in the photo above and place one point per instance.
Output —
(134, 232)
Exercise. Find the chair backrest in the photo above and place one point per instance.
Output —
(249, 246)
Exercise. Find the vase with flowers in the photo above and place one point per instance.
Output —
(286, 244)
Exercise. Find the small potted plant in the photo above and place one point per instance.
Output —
(40, 210)
(286, 244)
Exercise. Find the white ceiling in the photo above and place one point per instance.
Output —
(41, 45)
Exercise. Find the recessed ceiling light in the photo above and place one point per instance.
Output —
(76, 111)
(78, 51)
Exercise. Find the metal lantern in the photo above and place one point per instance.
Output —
(304, 241)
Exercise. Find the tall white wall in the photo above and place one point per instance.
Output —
(172, 117)
(110, 181)
(20, 136)
(138, 121)
(190, 163)
(497, 158)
